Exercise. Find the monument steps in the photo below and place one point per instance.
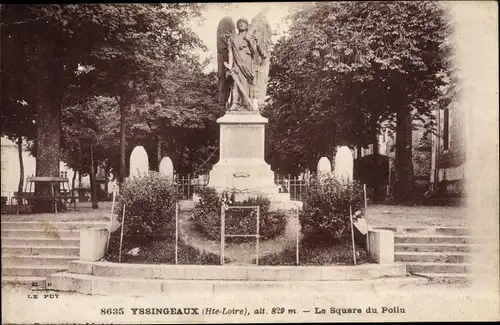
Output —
(47, 250)
(25, 280)
(8, 259)
(447, 277)
(44, 224)
(431, 239)
(451, 257)
(95, 285)
(438, 267)
(422, 247)
(439, 253)
(43, 242)
(39, 233)
(233, 272)
(35, 248)
(451, 231)
(31, 270)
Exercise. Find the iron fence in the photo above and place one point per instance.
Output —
(296, 186)
(190, 184)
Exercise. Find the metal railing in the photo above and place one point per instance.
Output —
(296, 186)
(223, 236)
(189, 185)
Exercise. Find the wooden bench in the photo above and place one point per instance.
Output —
(33, 198)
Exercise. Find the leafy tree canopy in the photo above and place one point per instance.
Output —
(344, 67)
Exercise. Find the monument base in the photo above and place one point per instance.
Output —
(241, 167)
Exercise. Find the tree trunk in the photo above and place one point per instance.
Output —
(49, 88)
(159, 153)
(73, 186)
(123, 125)
(48, 121)
(106, 181)
(374, 122)
(21, 165)
(404, 185)
(93, 192)
(375, 144)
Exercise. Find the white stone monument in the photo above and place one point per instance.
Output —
(243, 78)
(139, 163)
(166, 168)
(344, 167)
(241, 164)
(323, 169)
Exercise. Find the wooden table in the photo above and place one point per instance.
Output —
(53, 182)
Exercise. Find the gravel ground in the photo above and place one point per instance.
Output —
(84, 212)
(377, 215)
(411, 216)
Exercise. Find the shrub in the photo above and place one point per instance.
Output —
(325, 214)
(150, 207)
(207, 216)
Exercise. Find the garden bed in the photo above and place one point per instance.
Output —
(336, 254)
(160, 252)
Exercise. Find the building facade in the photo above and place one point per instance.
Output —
(449, 151)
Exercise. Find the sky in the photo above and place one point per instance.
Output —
(213, 13)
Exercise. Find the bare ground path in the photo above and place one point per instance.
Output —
(238, 253)
(84, 212)
(377, 215)
(417, 216)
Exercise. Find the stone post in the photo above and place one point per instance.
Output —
(139, 163)
(323, 169)
(381, 246)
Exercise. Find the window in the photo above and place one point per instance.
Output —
(64, 174)
(446, 129)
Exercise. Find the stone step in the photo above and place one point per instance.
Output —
(33, 282)
(41, 242)
(36, 260)
(95, 285)
(430, 267)
(233, 272)
(48, 250)
(41, 225)
(431, 257)
(434, 247)
(453, 231)
(34, 233)
(448, 277)
(432, 239)
(31, 270)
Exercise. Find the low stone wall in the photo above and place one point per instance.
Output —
(245, 273)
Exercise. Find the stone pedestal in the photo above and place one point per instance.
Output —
(381, 246)
(241, 166)
(93, 243)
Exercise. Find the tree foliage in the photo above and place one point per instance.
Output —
(73, 55)
(344, 67)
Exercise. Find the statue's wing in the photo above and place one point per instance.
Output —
(260, 31)
(225, 30)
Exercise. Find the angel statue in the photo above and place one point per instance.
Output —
(243, 62)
